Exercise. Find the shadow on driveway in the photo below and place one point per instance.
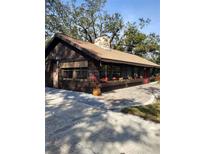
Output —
(76, 127)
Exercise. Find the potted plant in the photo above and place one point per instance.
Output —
(157, 78)
(96, 90)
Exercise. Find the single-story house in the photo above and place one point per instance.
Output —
(79, 65)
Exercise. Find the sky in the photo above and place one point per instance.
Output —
(132, 10)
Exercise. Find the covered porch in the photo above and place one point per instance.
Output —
(113, 76)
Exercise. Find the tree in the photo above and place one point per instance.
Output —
(152, 48)
(131, 37)
(56, 17)
(86, 21)
(135, 42)
(112, 27)
(93, 22)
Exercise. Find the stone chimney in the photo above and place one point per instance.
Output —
(103, 42)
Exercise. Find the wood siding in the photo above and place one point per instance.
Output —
(68, 57)
(76, 64)
(63, 52)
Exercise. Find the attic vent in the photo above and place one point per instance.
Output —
(103, 42)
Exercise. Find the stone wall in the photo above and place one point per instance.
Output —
(103, 42)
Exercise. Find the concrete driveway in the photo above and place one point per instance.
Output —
(74, 125)
(131, 96)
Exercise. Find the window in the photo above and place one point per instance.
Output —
(103, 71)
(67, 73)
(71, 73)
(136, 72)
(116, 71)
(129, 71)
(81, 73)
(112, 72)
(141, 72)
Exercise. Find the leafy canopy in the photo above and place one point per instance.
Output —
(87, 21)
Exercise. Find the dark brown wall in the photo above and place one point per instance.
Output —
(76, 85)
(48, 73)
(63, 52)
(66, 53)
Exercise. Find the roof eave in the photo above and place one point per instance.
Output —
(128, 63)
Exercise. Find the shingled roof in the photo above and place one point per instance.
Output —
(104, 55)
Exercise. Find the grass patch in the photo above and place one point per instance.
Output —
(147, 112)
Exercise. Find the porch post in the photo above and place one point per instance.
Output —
(145, 75)
(106, 78)
(55, 75)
